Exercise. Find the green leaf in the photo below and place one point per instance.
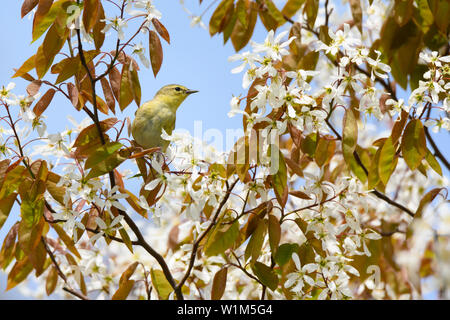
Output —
(311, 9)
(349, 135)
(434, 164)
(291, 7)
(427, 198)
(30, 235)
(18, 273)
(135, 84)
(268, 21)
(126, 239)
(279, 179)
(108, 164)
(51, 281)
(355, 5)
(241, 11)
(12, 180)
(255, 244)
(387, 161)
(124, 290)
(401, 45)
(42, 63)
(266, 275)
(414, 144)
(324, 151)
(221, 239)
(27, 66)
(126, 92)
(441, 13)
(102, 153)
(45, 15)
(284, 253)
(31, 210)
(160, 283)
(274, 12)
(373, 176)
(308, 144)
(242, 34)
(219, 284)
(403, 10)
(68, 241)
(274, 233)
(218, 15)
(228, 23)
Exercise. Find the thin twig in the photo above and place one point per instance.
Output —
(203, 235)
(61, 274)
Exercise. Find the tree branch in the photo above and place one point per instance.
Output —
(378, 194)
(140, 238)
(203, 235)
(67, 287)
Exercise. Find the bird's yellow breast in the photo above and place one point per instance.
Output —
(151, 118)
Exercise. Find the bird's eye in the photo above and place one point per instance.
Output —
(178, 89)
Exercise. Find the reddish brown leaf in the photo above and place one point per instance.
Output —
(73, 94)
(114, 79)
(274, 233)
(51, 281)
(156, 53)
(300, 195)
(296, 135)
(128, 272)
(90, 13)
(109, 95)
(43, 103)
(34, 87)
(219, 284)
(98, 35)
(27, 6)
(294, 166)
(161, 30)
(173, 237)
(241, 34)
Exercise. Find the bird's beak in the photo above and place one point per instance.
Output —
(191, 91)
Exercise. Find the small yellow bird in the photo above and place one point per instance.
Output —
(157, 114)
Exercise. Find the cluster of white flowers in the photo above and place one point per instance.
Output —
(334, 223)
(273, 92)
